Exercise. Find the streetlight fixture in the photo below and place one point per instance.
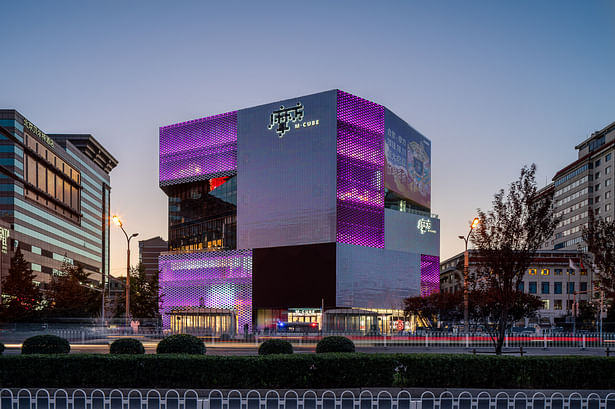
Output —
(118, 222)
(466, 267)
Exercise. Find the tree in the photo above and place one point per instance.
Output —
(21, 296)
(506, 240)
(443, 307)
(486, 308)
(145, 300)
(600, 238)
(69, 294)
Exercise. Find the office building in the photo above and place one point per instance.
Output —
(54, 197)
(279, 211)
(585, 185)
(549, 277)
(149, 251)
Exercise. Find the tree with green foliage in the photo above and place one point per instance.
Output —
(21, 296)
(145, 300)
(70, 294)
(506, 241)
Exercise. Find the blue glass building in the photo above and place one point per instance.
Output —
(54, 198)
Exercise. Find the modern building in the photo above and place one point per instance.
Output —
(54, 198)
(585, 185)
(550, 277)
(149, 251)
(281, 211)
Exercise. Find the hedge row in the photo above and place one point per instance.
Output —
(307, 371)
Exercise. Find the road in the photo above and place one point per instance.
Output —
(230, 348)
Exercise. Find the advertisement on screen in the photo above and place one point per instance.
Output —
(407, 161)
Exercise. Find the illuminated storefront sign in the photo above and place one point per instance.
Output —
(424, 226)
(4, 235)
(304, 311)
(35, 131)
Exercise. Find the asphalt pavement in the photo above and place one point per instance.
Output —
(230, 349)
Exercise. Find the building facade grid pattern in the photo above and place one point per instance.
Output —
(430, 275)
(215, 279)
(199, 149)
(360, 164)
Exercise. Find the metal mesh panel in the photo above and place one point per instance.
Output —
(216, 279)
(430, 275)
(360, 164)
(198, 149)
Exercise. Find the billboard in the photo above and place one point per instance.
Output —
(407, 161)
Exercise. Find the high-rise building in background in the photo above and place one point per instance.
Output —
(586, 185)
(281, 210)
(149, 251)
(54, 198)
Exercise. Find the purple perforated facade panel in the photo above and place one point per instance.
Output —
(430, 275)
(360, 164)
(213, 279)
(198, 149)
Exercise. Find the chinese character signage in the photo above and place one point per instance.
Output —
(281, 119)
(424, 226)
(407, 161)
(4, 235)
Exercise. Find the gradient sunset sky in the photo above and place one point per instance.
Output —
(494, 85)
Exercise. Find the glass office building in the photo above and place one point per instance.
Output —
(54, 195)
(281, 210)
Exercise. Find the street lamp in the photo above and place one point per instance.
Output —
(466, 267)
(118, 222)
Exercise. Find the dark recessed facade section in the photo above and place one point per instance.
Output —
(299, 276)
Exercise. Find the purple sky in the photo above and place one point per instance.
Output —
(494, 85)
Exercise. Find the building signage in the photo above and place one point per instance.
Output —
(304, 311)
(4, 235)
(35, 131)
(424, 226)
(282, 118)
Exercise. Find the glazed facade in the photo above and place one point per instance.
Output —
(55, 195)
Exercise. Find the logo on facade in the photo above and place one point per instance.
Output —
(34, 130)
(282, 118)
(4, 235)
(424, 226)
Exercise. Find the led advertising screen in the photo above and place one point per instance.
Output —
(407, 161)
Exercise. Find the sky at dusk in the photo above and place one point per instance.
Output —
(494, 85)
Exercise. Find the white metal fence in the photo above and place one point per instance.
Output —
(190, 399)
(474, 340)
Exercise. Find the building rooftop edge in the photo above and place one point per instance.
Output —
(582, 159)
(604, 130)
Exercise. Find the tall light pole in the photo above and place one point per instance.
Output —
(117, 221)
(466, 273)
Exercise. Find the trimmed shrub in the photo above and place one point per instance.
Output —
(45, 344)
(126, 346)
(334, 344)
(181, 344)
(275, 346)
(1, 348)
(307, 371)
